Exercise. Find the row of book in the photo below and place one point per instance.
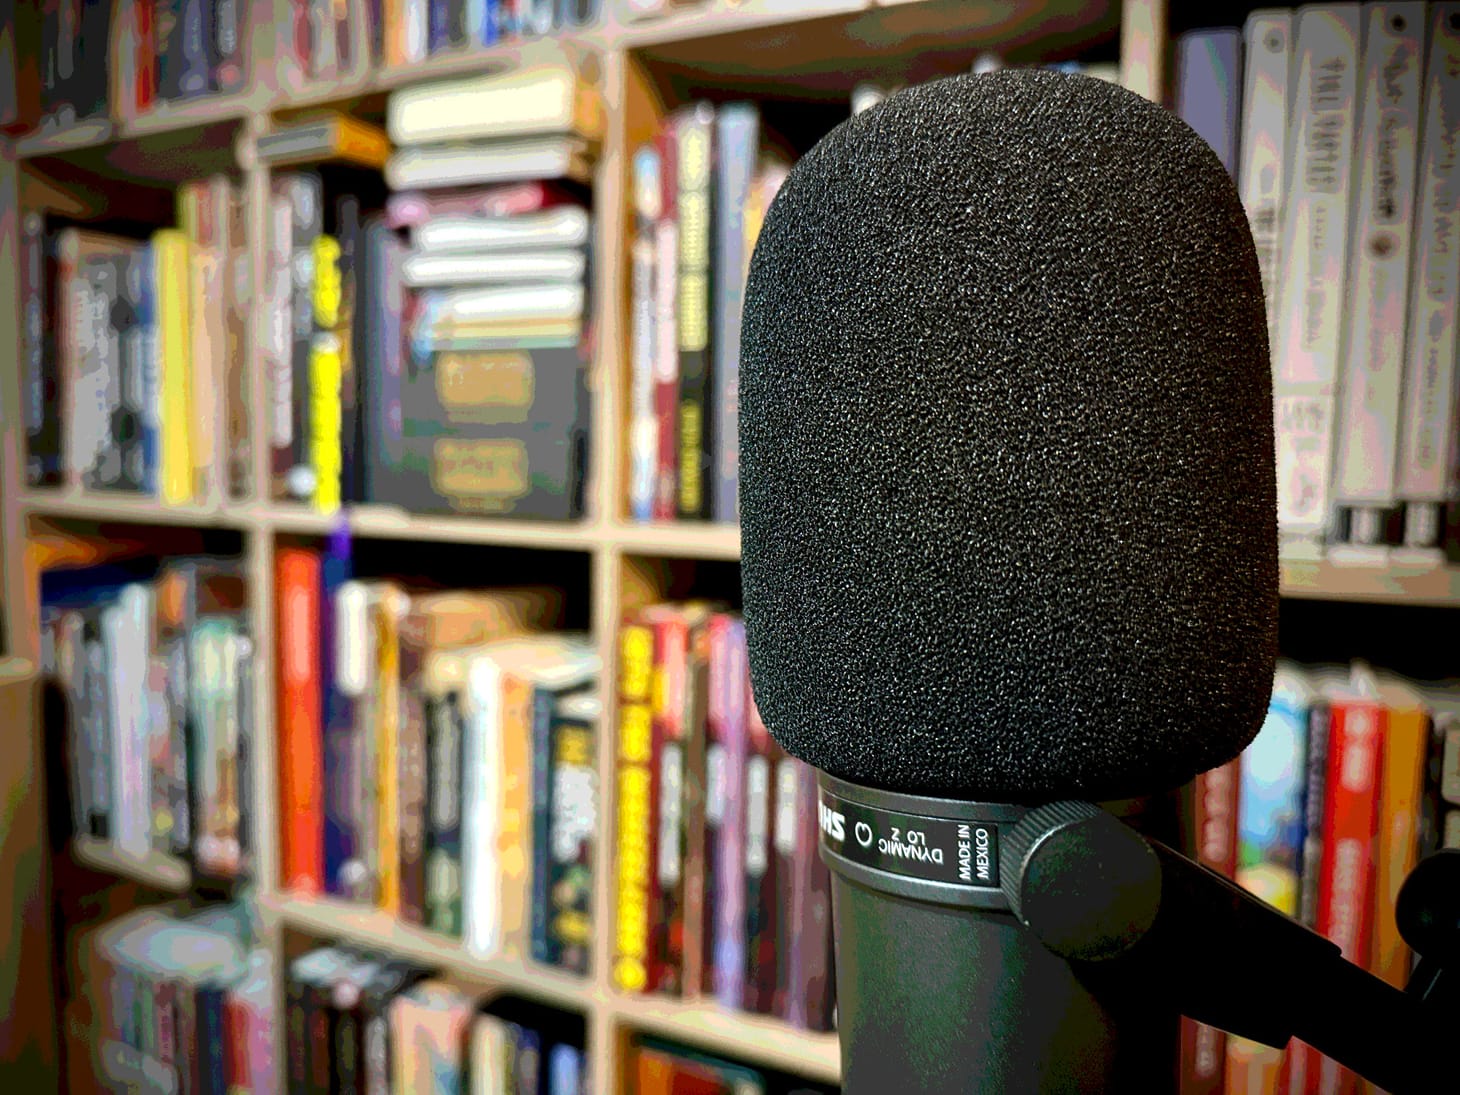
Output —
(437, 757)
(1339, 123)
(172, 1001)
(363, 1022)
(719, 891)
(656, 1067)
(78, 61)
(133, 353)
(1354, 775)
(156, 665)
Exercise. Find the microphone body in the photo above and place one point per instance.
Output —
(941, 990)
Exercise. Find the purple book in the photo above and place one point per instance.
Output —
(1209, 87)
(725, 811)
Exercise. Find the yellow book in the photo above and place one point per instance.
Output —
(1401, 783)
(389, 612)
(170, 254)
(634, 782)
(325, 452)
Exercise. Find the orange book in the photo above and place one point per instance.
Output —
(301, 733)
(1401, 785)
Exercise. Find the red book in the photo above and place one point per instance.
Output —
(145, 89)
(301, 730)
(1346, 874)
(666, 331)
(667, 907)
(1214, 810)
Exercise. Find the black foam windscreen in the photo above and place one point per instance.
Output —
(1007, 488)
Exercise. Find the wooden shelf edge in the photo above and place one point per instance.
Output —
(756, 1039)
(134, 509)
(162, 872)
(684, 539)
(330, 917)
(1390, 584)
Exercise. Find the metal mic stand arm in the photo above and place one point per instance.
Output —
(1119, 906)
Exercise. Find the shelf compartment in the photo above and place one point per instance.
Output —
(331, 918)
(753, 1038)
(159, 871)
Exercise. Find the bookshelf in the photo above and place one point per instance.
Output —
(810, 50)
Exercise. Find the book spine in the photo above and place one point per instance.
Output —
(348, 328)
(93, 82)
(543, 700)
(725, 810)
(1204, 1047)
(188, 50)
(438, 24)
(319, 1019)
(1378, 290)
(760, 877)
(41, 396)
(1208, 79)
(671, 655)
(737, 147)
(171, 257)
(574, 805)
(1405, 750)
(1427, 435)
(443, 849)
(643, 435)
(788, 1000)
(134, 429)
(413, 759)
(300, 735)
(239, 396)
(211, 1040)
(306, 222)
(1268, 56)
(341, 645)
(230, 29)
(633, 781)
(209, 445)
(516, 821)
(694, 210)
(71, 300)
(1315, 257)
(666, 331)
(1345, 891)
(1314, 804)
(388, 615)
(324, 60)
(325, 442)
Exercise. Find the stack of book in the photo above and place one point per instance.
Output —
(173, 1002)
(661, 1068)
(700, 192)
(359, 1021)
(84, 61)
(437, 758)
(132, 352)
(1339, 123)
(1353, 777)
(720, 890)
(156, 665)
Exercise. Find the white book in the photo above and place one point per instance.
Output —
(1427, 437)
(1268, 62)
(525, 302)
(432, 270)
(125, 630)
(415, 20)
(1315, 257)
(546, 97)
(643, 423)
(1381, 222)
(563, 226)
(513, 160)
(481, 814)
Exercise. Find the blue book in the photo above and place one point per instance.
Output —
(1209, 88)
(143, 282)
(565, 1070)
(737, 145)
(341, 783)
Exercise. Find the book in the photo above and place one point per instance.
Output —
(563, 226)
(325, 137)
(1208, 85)
(1405, 752)
(301, 766)
(762, 914)
(427, 270)
(508, 200)
(694, 212)
(549, 97)
(1315, 254)
(634, 766)
(643, 425)
(553, 156)
(572, 811)
(726, 733)
(1365, 466)
(666, 330)
(325, 445)
(1426, 445)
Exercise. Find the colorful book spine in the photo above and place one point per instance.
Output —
(1405, 750)
(666, 330)
(761, 920)
(40, 394)
(238, 279)
(1208, 82)
(516, 819)
(305, 200)
(634, 786)
(343, 651)
(667, 912)
(171, 257)
(301, 764)
(725, 809)
(413, 779)
(737, 154)
(389, 612)
(694, 167)
(445, 736)
(325, 440)
(573, 807)
(643, 431)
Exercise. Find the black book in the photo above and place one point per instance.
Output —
(184, 69)
(445, 735)
(350, 232)
(226, 34)
(694, 133)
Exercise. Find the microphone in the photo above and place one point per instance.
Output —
(1009, 537)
